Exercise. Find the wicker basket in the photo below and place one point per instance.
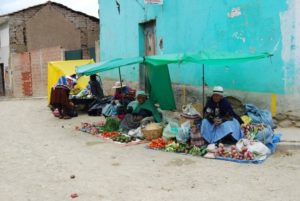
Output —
(152, 134)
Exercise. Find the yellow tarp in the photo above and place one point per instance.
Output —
(56, 69)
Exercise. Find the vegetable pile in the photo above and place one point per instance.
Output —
(176, 147)
(109, 134)
(250, 130)
(123, 138)
(112, 124)
(244, 154)
(159, 143)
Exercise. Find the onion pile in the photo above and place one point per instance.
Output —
(244, 154)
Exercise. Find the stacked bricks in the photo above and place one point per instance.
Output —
(30, 74)
(39, 68)
(22, 80)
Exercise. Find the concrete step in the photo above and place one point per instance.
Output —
(288, 145)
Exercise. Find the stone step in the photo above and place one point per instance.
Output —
(289, 145)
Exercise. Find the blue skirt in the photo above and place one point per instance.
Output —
(212, 133)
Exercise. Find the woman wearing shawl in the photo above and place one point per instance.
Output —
(138, 110)
(63, 107)
(220, 124)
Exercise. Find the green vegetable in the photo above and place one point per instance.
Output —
(111, 125)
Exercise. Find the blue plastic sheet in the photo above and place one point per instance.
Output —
(259, 116)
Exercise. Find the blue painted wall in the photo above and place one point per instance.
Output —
(193, 25)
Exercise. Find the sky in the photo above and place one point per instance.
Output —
(89, 7)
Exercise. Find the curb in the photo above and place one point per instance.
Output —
(289, 145)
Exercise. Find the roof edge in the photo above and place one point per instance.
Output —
(51, 3)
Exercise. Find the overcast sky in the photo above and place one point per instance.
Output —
(89, 7)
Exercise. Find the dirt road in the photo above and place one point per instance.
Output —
(39, 153)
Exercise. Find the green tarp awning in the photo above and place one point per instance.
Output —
(204, 57)
(157, 68)
(107, 65)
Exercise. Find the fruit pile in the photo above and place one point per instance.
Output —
(243, 154)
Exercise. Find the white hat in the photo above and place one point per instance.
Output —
(118, 85)
(218, 90)
(71, 78)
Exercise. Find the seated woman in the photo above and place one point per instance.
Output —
(59, 99)
(122, 96)
(220, 123)
(95, 87)
(140, 109)
(123, 93)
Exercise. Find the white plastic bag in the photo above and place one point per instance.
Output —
(260, 150)
(184, 132)
(190, 110)
(136, 133)
(171, 130)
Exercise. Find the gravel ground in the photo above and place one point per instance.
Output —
(39, 153)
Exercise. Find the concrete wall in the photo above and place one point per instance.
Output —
(4, 44)
(230, 25)
(50, 28)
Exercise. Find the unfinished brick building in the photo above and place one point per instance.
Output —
(43, 33)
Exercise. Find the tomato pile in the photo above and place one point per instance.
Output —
(109, 134)
(159, 143)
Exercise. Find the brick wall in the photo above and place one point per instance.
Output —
(22, 83)
(88, 26)
(39, 68)
(30, 71)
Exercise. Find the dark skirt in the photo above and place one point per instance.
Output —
(60, 97)
(131, 122)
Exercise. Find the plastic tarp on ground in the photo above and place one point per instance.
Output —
(56, 69)
(158, 66)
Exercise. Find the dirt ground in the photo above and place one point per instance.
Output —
(39, 153)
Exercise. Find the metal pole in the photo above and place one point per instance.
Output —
(203, 88)
(120, 77)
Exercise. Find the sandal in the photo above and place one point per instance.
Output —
(67, 117)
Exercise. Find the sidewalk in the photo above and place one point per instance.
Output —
(290, 138)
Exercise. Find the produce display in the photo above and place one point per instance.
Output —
(109, 134)
(159, 143)
(88, 128)
(251, 130)
(112, 124)
(198, 151)
(176, 147)
(123, 138)
(232, 152)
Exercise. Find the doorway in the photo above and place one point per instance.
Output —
(2, 83)
(148, 46)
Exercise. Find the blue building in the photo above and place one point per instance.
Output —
(132, 28)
